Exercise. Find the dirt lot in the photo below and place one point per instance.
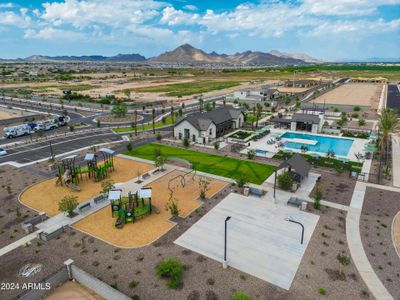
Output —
(396, 232)
(125, 170)
(380, 207)
(12, 212)
(73, 290)
(292, 90)
(151, 227)
(363, 94)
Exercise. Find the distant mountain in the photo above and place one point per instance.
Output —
(187, 54)
(304, 57)
(90, 58)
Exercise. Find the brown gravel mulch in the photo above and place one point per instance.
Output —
(379, 209)
(13, 213)
(203, 278)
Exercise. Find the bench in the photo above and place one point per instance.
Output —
(145, 175)
(295, 201)
(98, 199)
(84, 207)
(257, 192)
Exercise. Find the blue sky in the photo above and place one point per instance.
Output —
(331, 30)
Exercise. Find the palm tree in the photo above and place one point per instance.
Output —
(172, 114)
(153, 117)
(388, 123)
(135, 121)
(254, 114)
(258, 113)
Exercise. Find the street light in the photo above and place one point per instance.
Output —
(290, 219)
(224, 265)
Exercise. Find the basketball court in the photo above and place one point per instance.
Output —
(259, 240)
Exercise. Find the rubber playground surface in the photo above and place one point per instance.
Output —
(150, 227)
(45, 196)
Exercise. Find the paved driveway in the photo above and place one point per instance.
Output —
(260, 241)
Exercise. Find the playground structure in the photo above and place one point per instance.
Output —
(129, 209)
(71, 174)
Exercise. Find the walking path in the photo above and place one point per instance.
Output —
(396, 159)
(356, 247)
(18, 243)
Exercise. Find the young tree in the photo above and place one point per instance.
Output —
(285, 181)
(204, 187)
(127, 93)
(172, 206)
(361, 122)
(186, 142)
(68, 205)
(213, 105)
(98, 123)
(160, 161)
(318, 194)
(216, 145)
(106, 186)
(254, 114)
(251, 153)
(172, 113)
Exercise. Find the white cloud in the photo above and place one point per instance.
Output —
(50, 33)
(190, 7)
(81, 14)
(6, 5)
(11, 18)
(172, 16)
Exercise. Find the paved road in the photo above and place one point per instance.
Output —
(393, 97)
(41, 150)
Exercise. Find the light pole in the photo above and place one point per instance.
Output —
(51, 150)
(224, 265)
(290, 219)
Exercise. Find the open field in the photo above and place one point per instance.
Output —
(8, 115)
(190, 88)
(168, 121)
(219, 165)
(73, 290)
(150, 227)
(34, 198)
(362, 94)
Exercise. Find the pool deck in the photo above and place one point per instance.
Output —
(261, 144)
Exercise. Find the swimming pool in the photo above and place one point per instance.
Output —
(324, 144)
(261, 152)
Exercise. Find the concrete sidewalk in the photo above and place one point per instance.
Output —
(357, 251)
(18, 243)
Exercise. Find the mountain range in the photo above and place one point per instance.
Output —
(188, 55)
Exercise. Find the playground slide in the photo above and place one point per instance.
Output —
(73, 186)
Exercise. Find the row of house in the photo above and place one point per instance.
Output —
(263, 93)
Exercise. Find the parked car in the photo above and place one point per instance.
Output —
(3, 152)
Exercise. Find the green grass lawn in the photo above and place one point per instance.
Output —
(168, 121)
(189, 88)
(219, 165)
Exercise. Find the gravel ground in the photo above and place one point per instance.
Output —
(203, 278)
(380, 207)
(336, 188)
(12, 213)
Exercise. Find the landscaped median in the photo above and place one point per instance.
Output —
(252, 172)
(140, 127)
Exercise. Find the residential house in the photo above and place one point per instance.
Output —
(205, 127)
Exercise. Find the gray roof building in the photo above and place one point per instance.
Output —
(298, 163)
(307, 118)
(202, 121)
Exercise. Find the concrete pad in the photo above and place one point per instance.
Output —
(260, 242)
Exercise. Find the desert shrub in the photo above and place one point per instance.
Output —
(186, 142)
(251, 154)
(240, 296)
(343, 259)
(317, 197)
(322, 291)
(285, 181)
(172, 270)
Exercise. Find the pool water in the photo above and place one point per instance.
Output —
(261, 152)
(340, 146)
